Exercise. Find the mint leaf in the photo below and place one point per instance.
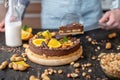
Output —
(65, 39)
(25, 27)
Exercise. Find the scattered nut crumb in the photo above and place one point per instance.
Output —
(68, 75)
(32, 77)
(88, 76)
(108, 45)
(77, 70)
(25, 46)
(72, 63)
(93, 57)
(88, 64)
(45, 76)
(112, 35)
(89, 39)
(24, 55)
(55, 71)
(83, 74)
(76, 65)
(74, 75)
(60, 71)
(3, 65)
(89, 70)
(98, 47)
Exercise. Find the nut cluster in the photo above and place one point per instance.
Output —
(110, 64)
(17, 63)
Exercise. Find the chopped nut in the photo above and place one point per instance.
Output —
(68, 75)
(3, 65)
(15, 55)
(83, 74)
(77, 70)
(96, 50)
(32, 77)
(72, 63)
(74, 75)
(118, 47)
(45, 77)
(112, 35)
(24, 54)
(50, 71)
(12, 59)
(89, 70)
(108, 45)
(19, 59)
(88, 64)
(10, 65)
(60, 71)
(85, 65)
(89, 39)
(93, 57)
(101, 54)
(25, 46)
(88, 76)
(93, 42)
(46, 71)
(25, 59)
(15, 67)
(76, 65)
(83, 68)
(55, 71)
(98, 47)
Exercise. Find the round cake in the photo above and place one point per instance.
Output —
(51, 49)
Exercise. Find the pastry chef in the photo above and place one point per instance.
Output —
(89, 12)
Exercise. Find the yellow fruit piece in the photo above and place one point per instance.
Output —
(26, 35)
(46, 34)
(54, 43)
(29, 30)
(21, 63)
(38, 42)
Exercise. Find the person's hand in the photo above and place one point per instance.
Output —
(2, 26)
(111, 19)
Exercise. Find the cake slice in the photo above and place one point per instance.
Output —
(71, 29)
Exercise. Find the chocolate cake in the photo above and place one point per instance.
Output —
(46, 48)
(54, 51)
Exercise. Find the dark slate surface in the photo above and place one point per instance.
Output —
(89, 51)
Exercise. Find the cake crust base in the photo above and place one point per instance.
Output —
(53, 61)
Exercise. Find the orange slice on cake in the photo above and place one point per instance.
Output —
(54, 43)
(38, 42)
(46, 34)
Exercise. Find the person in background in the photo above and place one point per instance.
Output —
(90, 10)
(2, 26)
